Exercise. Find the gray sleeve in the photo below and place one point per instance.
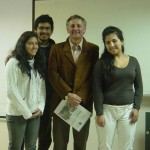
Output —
(97, 88)
(138, 86)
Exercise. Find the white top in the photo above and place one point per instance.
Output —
(24, 95)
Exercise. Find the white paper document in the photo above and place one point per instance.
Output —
(74, 116)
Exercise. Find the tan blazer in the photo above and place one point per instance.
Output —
(66, 76)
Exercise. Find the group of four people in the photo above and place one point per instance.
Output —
(71, 70)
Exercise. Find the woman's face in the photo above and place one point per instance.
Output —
(113, 44)
(31, 47)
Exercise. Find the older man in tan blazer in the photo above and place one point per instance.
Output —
(71, 66)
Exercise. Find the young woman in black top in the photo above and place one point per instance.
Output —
(117, 91)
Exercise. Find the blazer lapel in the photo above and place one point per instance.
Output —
(84, 52)
(67, 51)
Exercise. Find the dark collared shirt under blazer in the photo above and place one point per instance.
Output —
(67, 76)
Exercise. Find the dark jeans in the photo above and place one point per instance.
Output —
(61, 135)
(45, 139)
(19, 129)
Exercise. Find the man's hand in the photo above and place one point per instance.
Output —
(73, 100)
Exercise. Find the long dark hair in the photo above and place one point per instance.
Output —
(21, 55)
(106, 57)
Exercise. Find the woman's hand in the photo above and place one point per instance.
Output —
(36, 113)
(100, 120)
(134, 115)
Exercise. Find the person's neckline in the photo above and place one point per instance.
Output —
(121, 68)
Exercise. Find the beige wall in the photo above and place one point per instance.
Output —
(92, 141)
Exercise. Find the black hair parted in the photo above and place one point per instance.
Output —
(111, 29)
(106, 57)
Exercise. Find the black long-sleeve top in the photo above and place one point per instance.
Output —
(45, 51)
(127, 88)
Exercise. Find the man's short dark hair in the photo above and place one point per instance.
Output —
(44, 19)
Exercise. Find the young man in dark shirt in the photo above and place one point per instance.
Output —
(44, 26)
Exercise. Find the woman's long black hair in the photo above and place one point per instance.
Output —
(21, 55)
(106, 58)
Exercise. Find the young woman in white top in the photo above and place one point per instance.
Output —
(25, 92)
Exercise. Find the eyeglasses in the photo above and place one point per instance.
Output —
(44, 28)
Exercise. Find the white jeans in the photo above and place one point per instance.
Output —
(116, 119)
